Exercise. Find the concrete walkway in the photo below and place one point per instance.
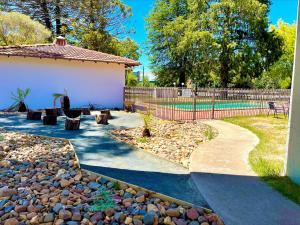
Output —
(221, 172)
(99, 152)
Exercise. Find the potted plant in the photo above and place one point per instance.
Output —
(19, 98)
(147, 120)
(64, 101)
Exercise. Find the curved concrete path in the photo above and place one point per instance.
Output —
(99, 152)
(221, 172)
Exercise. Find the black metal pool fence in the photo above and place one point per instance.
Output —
(174, 103)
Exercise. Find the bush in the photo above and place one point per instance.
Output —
(131, 80)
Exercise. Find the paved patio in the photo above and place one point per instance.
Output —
(98, 152)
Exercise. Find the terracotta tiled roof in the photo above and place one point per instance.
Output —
(55, 51)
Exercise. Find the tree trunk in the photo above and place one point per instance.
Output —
(72, 124)
(58, 17)
(46, 15)
(102, 119)
(50, 120)
(34, 115)
(182, 78)
(86, 112)
(106, 112)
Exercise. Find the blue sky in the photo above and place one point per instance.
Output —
(284, 9)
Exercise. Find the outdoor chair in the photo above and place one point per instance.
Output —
(276, 109)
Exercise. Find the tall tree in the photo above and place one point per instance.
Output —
(279, 75)
(16, 29)
(166, 62)
(94, 24)
(225, 42)
(50, 13)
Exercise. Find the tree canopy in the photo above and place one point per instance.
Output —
(16, 29)
(93, 24)
(222, 43)
(280, 73)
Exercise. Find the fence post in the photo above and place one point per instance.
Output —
(213, 105)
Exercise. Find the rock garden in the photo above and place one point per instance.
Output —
(42, 183)
(172, 140)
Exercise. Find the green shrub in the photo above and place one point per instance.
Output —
(209, 133)
(103, 201)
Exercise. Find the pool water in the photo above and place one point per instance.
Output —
(209, 105)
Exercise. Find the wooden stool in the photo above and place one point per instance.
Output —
(50, 120)
(86, 112)
(102, 119)
(106, 112)
(34, 115)
(72, 124)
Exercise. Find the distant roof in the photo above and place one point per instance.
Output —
(61, 50)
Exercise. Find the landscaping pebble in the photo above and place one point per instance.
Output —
(171, 140)
(41, 183)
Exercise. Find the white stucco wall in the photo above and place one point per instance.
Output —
(85, 82)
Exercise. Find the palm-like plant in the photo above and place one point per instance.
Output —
(20, 95)
(56, 96)
(147, 117)
(19, 98)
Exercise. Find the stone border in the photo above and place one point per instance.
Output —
(153, 193)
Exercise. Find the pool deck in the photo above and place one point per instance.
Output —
(99, 152)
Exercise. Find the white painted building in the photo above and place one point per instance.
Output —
(88, 76)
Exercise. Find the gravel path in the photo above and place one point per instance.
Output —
(99, 152)
(41, 183)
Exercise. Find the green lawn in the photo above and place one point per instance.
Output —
(268, 158)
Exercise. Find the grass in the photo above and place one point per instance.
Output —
(1, 137)
(209, 133)
(268, 158)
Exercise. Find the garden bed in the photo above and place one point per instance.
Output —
(172, 140)
(41, 183)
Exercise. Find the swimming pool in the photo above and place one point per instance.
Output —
(209, 105)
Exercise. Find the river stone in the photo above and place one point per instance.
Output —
(149, 218)
(152, 207)
(173, 212)
(65, 214)
(192, 214)
(94, 185)
(49, 217)
(57, 207)
(194, 223)
(11, 221)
